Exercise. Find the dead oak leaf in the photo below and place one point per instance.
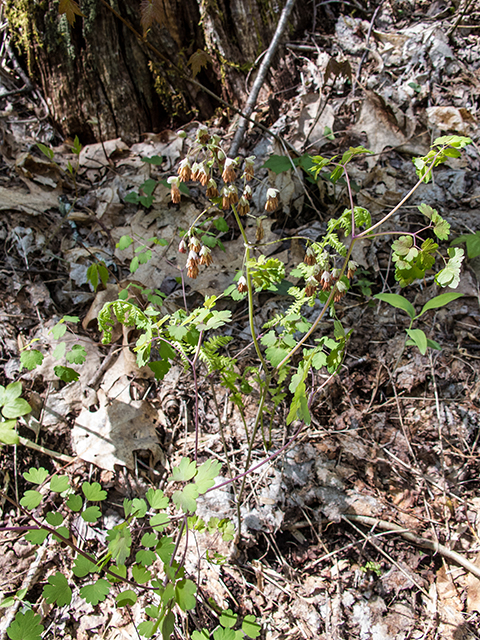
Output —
(70, 8)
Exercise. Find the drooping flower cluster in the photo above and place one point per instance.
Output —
(198, 254)
(205, 156)
(323, 276)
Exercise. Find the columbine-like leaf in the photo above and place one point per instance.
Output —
(397, 301)
(140, 574)
(54, 518)
(93, 491)
(250, 627)
(59, 350)
(8, 435)
(74, 502)
(139, 508)
(31, 499)
(149, 540)
(165, 548)
(36, 536)
(57, 590)
(36, 476)
(95, 592)
(67, 374)
(159, 521)
(83, 567)
(145, 557)
(59, 484)
(91, 514)
(26, 626)
(184, 471)
(16, 408)
(450, 275)
(77, 355)
(228, 619)
(157, 499)
(185, 591)
(31, 358)
(119, 543)
(206, 475)
(126, 598)
(186, 498)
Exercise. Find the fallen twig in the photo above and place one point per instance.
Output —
(418, 540)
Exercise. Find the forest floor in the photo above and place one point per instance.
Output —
(340, 531)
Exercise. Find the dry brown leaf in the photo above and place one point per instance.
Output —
(109, 436)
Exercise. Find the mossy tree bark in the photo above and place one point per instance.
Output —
(101, 81)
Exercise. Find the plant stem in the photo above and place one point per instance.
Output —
(250, 290)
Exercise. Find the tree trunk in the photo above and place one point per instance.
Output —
(102, 81)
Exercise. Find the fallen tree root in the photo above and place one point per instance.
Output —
(417, 540)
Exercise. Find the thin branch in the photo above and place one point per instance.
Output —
(260, 79)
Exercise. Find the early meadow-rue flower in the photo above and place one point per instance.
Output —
(221, 156)
(202, 135)
(206, 256)
(242, 285)
(311, 287)
(340, 290)
(326, 280)
(232, 194)
(185, 170)
(229, 174)
(352, 267)
(194, 244)
(192, 270)
(335, 274)
(212, 189)
(225, 198)
(182, 247)
(195, 169)
(272, 200)
(203, 176)
(173, 181)
(310, 257)
(247, 192)
(243, 206)
(248, 171)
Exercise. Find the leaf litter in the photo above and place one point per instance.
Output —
(374, 448)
